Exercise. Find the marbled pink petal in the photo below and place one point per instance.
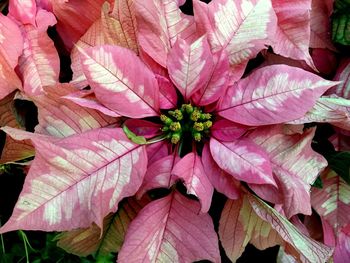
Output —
(9, 81)
(167, 93)
(121, 81)
(23, 11)
(73, 176)
(243, 159)
(293, 29)
(84, 12)
(225, 130)
(223, 182)
(39, 65)
(217, 82)
(143, 128)
(158, 150)
(161, 233)
(159, 25)
(87, 99)
(342, 250)
(59, 117)
(310, 250)
(320, 23)
(272, 95)
(294, 164)
(158, 174)
(229, 25)
(190, 65)
(332, 201)
(190, 169)
(11, 41)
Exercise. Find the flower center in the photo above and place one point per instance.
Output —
(186, 121)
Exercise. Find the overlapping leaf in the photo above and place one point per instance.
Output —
(121, 81)
(161, 233)
(272, 95)
(343, 75)
(73, 176)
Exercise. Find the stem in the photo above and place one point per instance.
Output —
(2, 242)
(24, 238)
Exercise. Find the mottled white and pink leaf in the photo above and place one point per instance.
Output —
(121, 81)
(73, 176)
(243, 159)
(272, 95)
(343, 75)
(161, 232)
(190, 169)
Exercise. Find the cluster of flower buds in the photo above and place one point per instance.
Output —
(187, 120)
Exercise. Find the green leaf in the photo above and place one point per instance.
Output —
(341, 27)
(340, 163)
(318, 183)
(133, 137)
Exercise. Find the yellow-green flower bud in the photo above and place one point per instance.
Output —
(166, 119)
(205, 116)
(175, 126)
(187, 108)
(195, 115)
(198, 126)
(207, 124)
(175, 138)
(177, 114)
(197, 136)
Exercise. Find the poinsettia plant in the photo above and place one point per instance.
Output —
(166, 110)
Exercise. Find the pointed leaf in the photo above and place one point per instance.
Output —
(342, 250)
(159, 24)
(84, 242)
(23, 11)
(272, 95)
(115, 27)
(293, 29)
(294, 163)
(309, 249)
(61, 118)
(167, 93)
(190, 65)
(332, 201)
(161, 233)
(243, 159)
(343, 75)
(190, 169)
(121, 81)
(240, 27)
(71, 177)
(9, 81)
(39, 64)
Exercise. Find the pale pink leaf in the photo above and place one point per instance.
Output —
(121, 81)
(267, 192)
(217, 81)
(87, 99)
(23, 11)
(161, 233)
(71, 177)
(272, 95)
(223, 182)
(61, 118)
(320, 23)
(292, 35)
(39, 64)
(87, 241)
(334, 110)
(159, 25)
(11, 41)
(190, 169)
(294, 163)
(309, 249)
(240, 27)
(159, 175)
(225, 130)
(190, 65)
(9, 81)
(158, 150)
(342, 250)
(167, 93)
(84, 12)
(12, 150)
(332, 201)
(115, 27)
(243, 159)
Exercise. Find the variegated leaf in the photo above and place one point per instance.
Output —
(343, 75)
(161, 233)
(121, 81)
(9, 81)
(73, 176)
(271, 95)
(190, 169)
(159, 25)
(190, 65)
(84, 242)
